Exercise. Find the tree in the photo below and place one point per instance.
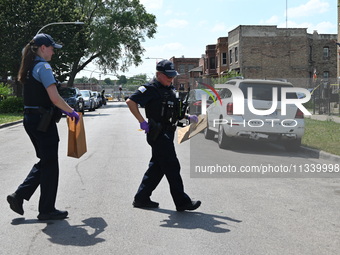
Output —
(108, 81)
(225, 77)
(19, 22)
(122, 80)
(111, 37)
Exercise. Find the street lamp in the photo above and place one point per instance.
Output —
(154, 58)
(61, 23)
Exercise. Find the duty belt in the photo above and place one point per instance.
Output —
(32, 111)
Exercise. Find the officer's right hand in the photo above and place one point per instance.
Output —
(73, 115)
(145, 126)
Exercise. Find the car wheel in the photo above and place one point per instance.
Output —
(208, 134)
(77, 107)
(293, 145)
(82, 108)
(224, 141)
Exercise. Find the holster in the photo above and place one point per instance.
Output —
(46, 117)
(155, 129)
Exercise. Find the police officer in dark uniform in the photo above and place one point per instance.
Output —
(163, 112)
(42, 103)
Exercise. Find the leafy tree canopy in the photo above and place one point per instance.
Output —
(111, 37)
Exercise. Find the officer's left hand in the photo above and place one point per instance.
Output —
(193, 118)
(145, 126)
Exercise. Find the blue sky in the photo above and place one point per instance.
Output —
(185, 27)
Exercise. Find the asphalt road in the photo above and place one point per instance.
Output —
(242, 212)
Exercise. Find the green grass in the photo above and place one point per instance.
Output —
(322, 135)
(10, 117)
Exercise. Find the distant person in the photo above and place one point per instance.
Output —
(42, 101)
(160, 102)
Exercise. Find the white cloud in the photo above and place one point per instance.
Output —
(321, 28)
(324, 27)
(165, 50)
(173, 46)
(152, 4)
(202, 23)
(176, 23)
(271, 21)
(220, 27)
(312, 7)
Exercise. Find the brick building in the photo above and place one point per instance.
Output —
(271, 52)
(183, 66)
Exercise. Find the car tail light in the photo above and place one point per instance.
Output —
(198, 103)
(230, 109)
(299, 114)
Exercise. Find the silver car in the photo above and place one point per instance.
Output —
(261, 114)
(89, 103)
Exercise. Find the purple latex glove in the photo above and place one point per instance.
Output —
(73, 115)
(193, 118)
(145, 126)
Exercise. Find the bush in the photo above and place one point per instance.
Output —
(12, 105)
(5, 91)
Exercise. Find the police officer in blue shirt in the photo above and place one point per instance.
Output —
(162, 111)
(42, 103)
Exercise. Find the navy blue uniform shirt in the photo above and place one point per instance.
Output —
(150, 97)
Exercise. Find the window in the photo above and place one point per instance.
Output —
(325, 75)
(230, 56)
(224, 58)
(212, 63)
(236, 54)
(181, 68)
(310, 53)
(325, 52)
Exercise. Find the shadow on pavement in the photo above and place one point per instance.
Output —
(196, 220)
(61, 232)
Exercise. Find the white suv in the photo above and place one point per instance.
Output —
(274, 126)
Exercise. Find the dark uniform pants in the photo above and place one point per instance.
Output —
(46, 172)
(163, 162)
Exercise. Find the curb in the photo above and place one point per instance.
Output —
(312, 152)
(320, 154)
(10, 123)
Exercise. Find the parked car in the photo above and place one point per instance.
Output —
(195, 100)
(89, 103)
(97, 99)
(108, 97)
(285, 129)
(73, 97)
(102, 98)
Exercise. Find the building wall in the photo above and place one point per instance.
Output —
(268, 52)
(183, 66)
(222, 60)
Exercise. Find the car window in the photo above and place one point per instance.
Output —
(200, 92)
(264, 91)
(225, 93)
(67, 92)
(85, 93)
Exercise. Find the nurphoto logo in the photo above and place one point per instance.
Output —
(238, 100)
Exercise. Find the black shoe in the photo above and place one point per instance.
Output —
(55, 215)
(147, 204)
(193, 205)
(15, 203)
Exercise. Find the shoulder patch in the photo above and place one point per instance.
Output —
(142, 89)
(47, 66)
